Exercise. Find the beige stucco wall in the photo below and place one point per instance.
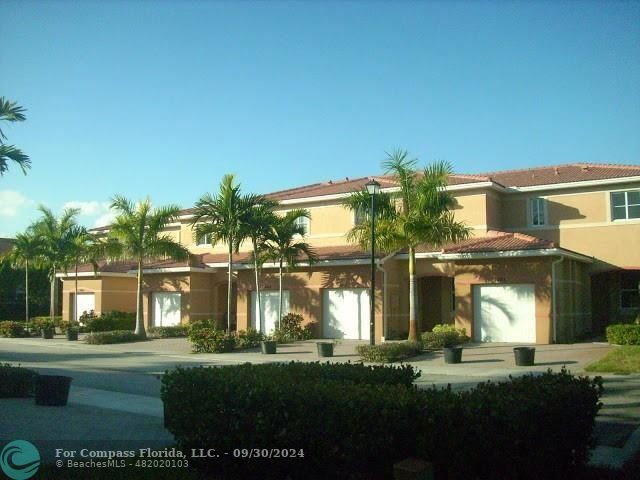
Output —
(111, 293)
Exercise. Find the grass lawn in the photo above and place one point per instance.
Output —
(625, 359)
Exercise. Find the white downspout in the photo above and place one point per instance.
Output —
(553, 297)
(384, 292)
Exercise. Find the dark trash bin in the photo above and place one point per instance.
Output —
(52, 390)
(524, 356)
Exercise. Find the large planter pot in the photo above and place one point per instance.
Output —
(325, 349)
(72, 334)
(524, 356)
(452, 354)
(268, 347)
(52, 390)
(47, 333)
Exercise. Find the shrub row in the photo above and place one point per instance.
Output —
(389, 352)
(12, 329)
(624, 334)
(349, 425)
(16, 381)
(168, 332)
(290, 329)
(207, 339)
(116, 336)
(108, 321)
(444, 335)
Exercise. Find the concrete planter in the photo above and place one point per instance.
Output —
(52, 390)
(325, 349)
(268, 347)
(452, 354)
(525, 356)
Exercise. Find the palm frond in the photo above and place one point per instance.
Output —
(11, 153)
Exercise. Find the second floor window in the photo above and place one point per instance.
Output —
(537, 208)
(304, 223)
(206, 240)
(625, 205)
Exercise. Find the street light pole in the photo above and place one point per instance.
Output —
(373, 188)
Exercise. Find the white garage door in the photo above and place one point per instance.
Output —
(504, 313)
(345, 313)
(166, 309)
(86, 303)
(270, 302)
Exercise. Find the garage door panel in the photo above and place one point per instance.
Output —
(346, 314)
(270, 302)
(505, 313)
(167, 309)
(86, 303)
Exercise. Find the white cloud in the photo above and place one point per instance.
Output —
(97, 213)
(11, 202)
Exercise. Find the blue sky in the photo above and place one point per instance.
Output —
(164, 98)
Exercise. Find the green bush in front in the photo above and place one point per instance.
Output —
(37, 324)
(444, 335)
(168, 332)
(205, 339)
(116, 336)
(389, 351)
(250, 338)
(16, 381)
(350, 424)
(12, 329)
(108, 322)
(290, 329)
(623, 334)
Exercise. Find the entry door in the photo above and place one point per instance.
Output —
(86, 303)
(166, 309)
(346, 313)
(504, 313)
(270, 301)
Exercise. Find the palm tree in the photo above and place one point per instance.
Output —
(137, 233)
(84, 247)
(285, 245)
(223, 217)
(54, 235)
(257, 226)
(11, 112)
(25, 252)
(422, 216)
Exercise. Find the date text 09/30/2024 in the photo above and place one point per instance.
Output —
(179, 454)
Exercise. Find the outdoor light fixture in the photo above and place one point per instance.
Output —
(373, 188)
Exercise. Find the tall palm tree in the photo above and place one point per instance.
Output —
(419, 213)
(25, 253)
(54, 235)
(223, 217)
(11, 112)
(285, 245)
(137, 233)
(83, 247)
(258, 224)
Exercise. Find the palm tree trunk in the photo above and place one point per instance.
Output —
(413, 326)
(75, 295)
(26, 290)
(52, 302)
(139, 312)
(229, 287)
(280, 293)
(258, 299)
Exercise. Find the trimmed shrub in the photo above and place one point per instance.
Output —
(290, 329)
(16, 381)
(210, 340)
(116, 336)
(250, 339)
(168, 332)
(389, 352)
(623, 334)
(12, 329)
(110, 321)
(348, 424)
(444, 335)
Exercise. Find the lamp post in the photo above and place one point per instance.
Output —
(373, 188)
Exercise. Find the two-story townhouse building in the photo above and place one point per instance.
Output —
(554, 255)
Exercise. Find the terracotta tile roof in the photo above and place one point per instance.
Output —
(493, 241)
(125, 266)
(575, 172)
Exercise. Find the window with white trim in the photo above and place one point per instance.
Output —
(625, 205)
(629, 290)
(537, 209)
(205, 240)
(304, 223)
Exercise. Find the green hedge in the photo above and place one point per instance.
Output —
(116, 336)
(12, 329)
(110, 321)
(290, 329)
(350, 424)
(389, 352)
(205, 338)
(623, 334)
(168, 332)
(16, 381)
(444, 335)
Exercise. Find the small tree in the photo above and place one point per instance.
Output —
(25, 253)
(137, 233)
